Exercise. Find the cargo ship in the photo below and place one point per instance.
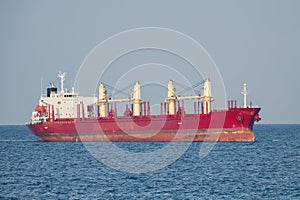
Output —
(65, 116)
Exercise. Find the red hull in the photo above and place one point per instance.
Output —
(233, 125)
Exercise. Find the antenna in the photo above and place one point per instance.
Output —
(73, 88)
(41, 85)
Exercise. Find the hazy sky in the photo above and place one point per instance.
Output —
(257, 42)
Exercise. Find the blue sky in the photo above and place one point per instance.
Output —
(250, 41)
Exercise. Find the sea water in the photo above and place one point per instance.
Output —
(266, 169)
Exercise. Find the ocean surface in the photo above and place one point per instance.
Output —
(266, 169)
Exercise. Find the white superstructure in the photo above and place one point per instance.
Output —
(63, 104)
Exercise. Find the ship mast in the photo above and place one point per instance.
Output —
(62, 77)
(245, 92)
(102, 99)
(136, 99)
(206, 96)
(171, 97)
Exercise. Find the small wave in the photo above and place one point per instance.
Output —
(275, 140)
(18, 140)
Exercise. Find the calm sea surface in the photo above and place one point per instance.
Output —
(266, 169)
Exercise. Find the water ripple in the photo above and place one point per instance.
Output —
(265, 169)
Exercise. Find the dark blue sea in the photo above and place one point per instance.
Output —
(266, 169)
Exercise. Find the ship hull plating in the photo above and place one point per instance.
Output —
(227, 135)
(232, 125)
